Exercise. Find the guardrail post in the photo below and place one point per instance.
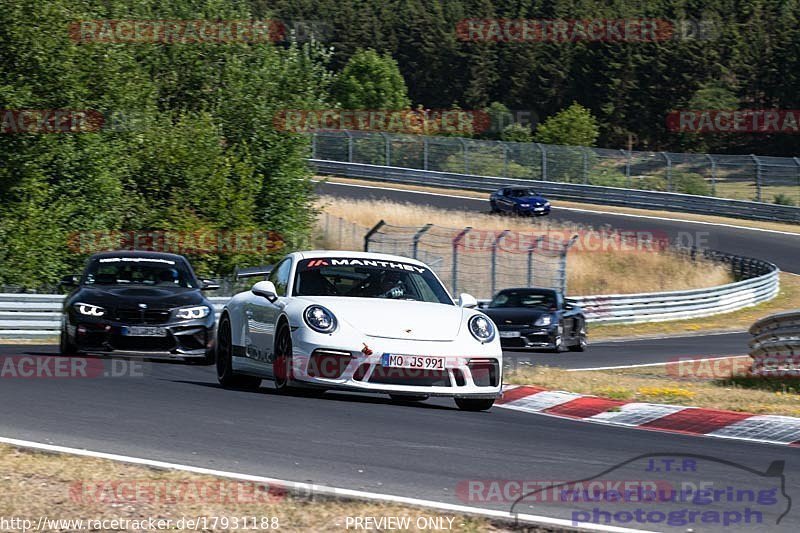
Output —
(758, 176)
(372, 232)
(349, 146)
(425, 149)
(495, 243)
(314, 145)
(669, 171)
(417, 236)
(713, 174)
(465, 154)
(544, 161)
(387, 147)
(585, 152)
(627, 167)
(505, 159)
(456, 240)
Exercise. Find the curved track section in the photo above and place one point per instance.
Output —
(178, 414)
(780, 248)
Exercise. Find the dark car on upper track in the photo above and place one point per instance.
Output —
(519, 200)
(537, 318)
(139, 304)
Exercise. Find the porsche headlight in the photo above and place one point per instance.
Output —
(319, 319)
(193, 313)
(544, 320)
(89, 309)
(481, 328)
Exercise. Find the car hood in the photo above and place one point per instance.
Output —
(531, 200)
(124, 296)
(396, 319)
(516, 316)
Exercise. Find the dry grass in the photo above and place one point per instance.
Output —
(741, 320)
(773, 226)
(611, 269)
(35, 484)
(727, 386)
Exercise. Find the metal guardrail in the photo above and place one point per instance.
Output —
(38, 316)
(667, 201)
(775, 347)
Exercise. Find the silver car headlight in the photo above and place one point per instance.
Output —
(89, 309)
(544, 320)
(319, 319)
(481, 328)
(193, 313)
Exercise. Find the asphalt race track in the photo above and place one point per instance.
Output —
(177, 413)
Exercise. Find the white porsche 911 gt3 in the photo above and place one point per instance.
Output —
(362, 322)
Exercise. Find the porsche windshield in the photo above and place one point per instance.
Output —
(364, 278)
(538, 299)
(138, 271)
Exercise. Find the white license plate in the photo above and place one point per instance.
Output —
(143, 331)
(424, 362)
(538, 208)
(509, 334)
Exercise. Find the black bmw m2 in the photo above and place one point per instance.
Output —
(133, 303)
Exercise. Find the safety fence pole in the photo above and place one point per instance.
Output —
(495, 243)
(456, 241)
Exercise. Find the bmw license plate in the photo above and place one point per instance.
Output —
(143, 331)
(509, 334)
(425, 362)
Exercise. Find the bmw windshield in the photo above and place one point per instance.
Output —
(364, 278)
(139, 271)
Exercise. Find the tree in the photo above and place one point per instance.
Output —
(574, 126)
(371, 81)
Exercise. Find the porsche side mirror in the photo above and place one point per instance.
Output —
(69, 281)
(467, 300)
(265, 289)
(209, 285)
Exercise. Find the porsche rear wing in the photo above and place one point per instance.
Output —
(252, 272)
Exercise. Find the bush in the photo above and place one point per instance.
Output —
(783, 199)
(608, 177)
(690, 183)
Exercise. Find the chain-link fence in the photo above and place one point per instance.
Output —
(740, 177)
(476, 261)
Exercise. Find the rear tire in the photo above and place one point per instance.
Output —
(225, 374)
(581, 345)
(474, 404)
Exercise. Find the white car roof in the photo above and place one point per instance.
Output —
(312, 254)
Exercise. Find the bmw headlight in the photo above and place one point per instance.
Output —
(544, 320)
(193, 313)
(319, 319)
(547, 204)
(524, 205)
(481, 328)
(89, 309)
